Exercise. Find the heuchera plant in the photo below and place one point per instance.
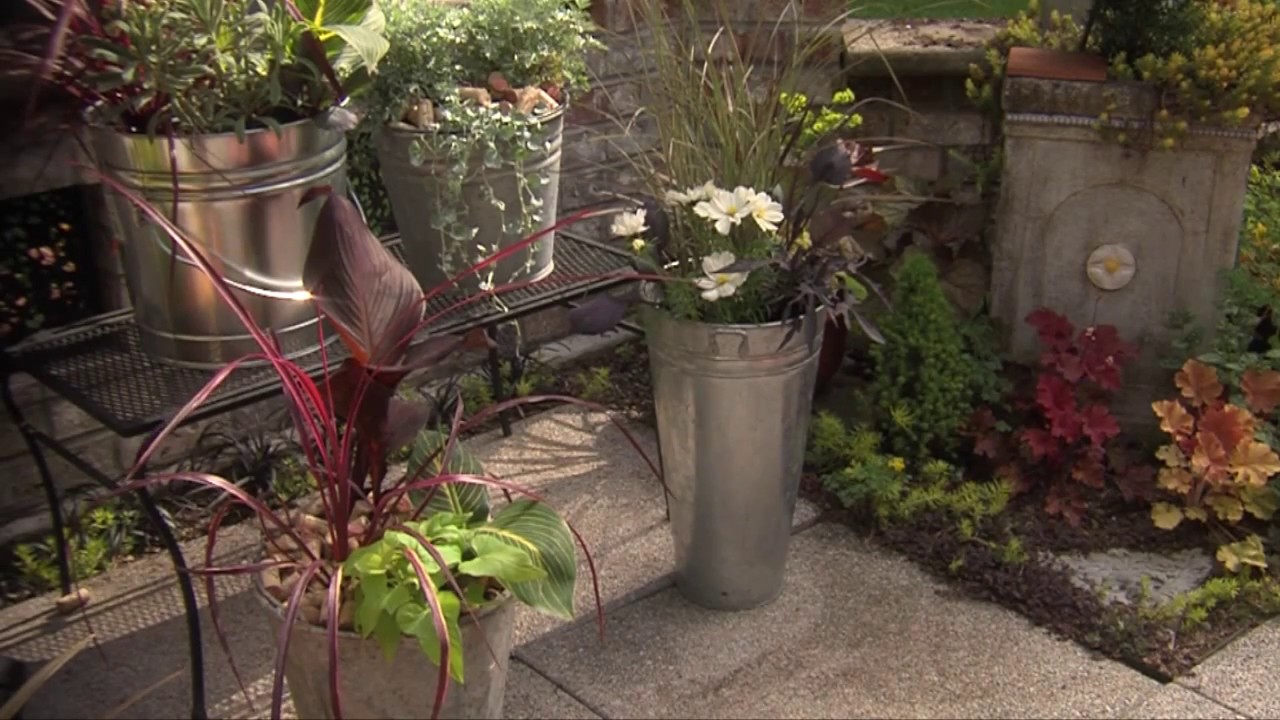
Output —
(1066, 444)
(1214, 464)
(407, 556)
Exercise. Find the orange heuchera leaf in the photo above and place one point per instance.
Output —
(1229, 423)
(1175, 480)
(1209, 459)
(1254, 462)
(1198, 383)
(1174, 418)
(1261, 390)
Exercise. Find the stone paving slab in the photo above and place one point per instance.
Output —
(1174, 702)
(584, 466)
(1243, 676)
(857, 632)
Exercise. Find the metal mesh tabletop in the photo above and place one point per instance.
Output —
(99, 366)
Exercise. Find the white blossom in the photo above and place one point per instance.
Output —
(726, 209)
(628, 224)
(767, 212)
(691, 195)
(719, 284)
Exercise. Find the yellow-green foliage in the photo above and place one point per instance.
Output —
(893, 490)
(822, 121)
(1228, 76)
(1024, 30)
(1193, 608)
(922, 374)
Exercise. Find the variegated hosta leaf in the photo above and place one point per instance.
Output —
(467, 498)
(537, 529)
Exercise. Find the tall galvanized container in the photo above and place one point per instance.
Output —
(732, 405)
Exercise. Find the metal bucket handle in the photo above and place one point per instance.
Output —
(247, 286)
(744, 343)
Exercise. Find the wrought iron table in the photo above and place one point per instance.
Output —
(98, 366)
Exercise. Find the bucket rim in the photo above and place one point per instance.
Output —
(666, 316)
(98, 128)
(543, 120)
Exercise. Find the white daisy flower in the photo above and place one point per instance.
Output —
(767, 212)
(719, 284)
(691, 195)
(726, 209)
(628, 224)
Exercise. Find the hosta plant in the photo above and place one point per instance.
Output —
(384, 553)
(1214, 464)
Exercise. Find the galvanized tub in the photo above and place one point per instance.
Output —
(732, 405)
(239, 201)
(419, 192)
(371, 687)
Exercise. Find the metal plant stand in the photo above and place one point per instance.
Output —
(98, 366)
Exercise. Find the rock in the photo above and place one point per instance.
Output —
(272, 584)
(72, 601)
(1119, 573)
(479, 96)
(529, 99)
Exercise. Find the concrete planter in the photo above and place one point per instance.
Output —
(1067, 191)
(372, 687)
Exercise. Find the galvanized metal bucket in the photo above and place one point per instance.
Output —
(732, 404)
(491, 202)
(404, 687)
(239, 201)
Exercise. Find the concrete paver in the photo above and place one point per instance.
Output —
(1243, 675)
(1175, 702)
(856, 633)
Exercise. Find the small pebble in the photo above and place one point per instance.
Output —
(73, 601)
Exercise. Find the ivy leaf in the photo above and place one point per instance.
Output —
(1198, 514)
(1174, 418)
(508, 564)
(1090, 471)
(1261, 390)
(1198, 383)
(1254, 462)
(1166, 516)
(415, 619)
(1245, 552)
(1057, 399)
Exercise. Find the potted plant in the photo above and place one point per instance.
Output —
(382, 571)
(468, 109)
(223, 112)
(752, 258)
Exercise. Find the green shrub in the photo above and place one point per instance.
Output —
(922, 381)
